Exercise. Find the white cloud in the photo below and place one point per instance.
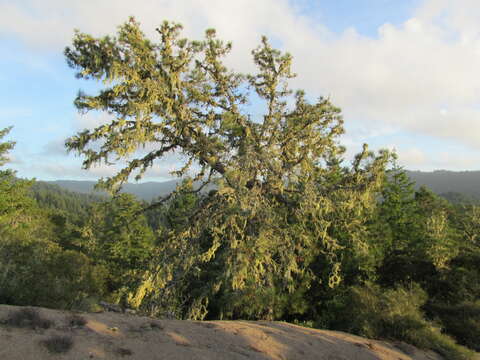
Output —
(91, 120)
(71, 170)
(54, 148)
(406, 75)
(447, 160)
(14, 159)
(422, 76)
(412, 158)
(55, 170)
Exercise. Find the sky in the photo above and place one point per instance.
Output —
(406, 74)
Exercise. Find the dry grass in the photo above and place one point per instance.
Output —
(28, 318)
(124, 352)
(58, 344)
(76, 321)
(156, 325)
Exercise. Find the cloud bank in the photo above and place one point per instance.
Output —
(419, 77)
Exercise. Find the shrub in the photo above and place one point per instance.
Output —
(58, 344)
(38, 272)
(430, 337)
(88, 304)
(156, 325)
(76, 321)
(124, 352)
(28, 318)
(395, 314)
(462, 321)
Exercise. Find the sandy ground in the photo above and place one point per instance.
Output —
(120, 336)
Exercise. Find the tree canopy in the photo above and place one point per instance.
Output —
(14, 201)
(284, 198)
(269, 221)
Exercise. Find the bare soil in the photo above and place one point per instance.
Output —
(111, 335)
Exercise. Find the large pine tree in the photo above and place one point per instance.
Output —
(284, 199)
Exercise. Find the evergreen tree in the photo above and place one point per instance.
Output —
(118, 239)
(283, 198)
(397, 210)
(34, 268)
(13, 192)
(76, 206)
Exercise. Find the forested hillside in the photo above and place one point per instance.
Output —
(145, 191)
(288, 230)
(457, 186)
(465, 183)
(58, 199)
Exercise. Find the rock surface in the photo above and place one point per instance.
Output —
(111, 335)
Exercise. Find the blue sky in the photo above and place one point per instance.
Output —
(366, 16)
(404, 72)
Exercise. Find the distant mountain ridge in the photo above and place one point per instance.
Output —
(465, 183)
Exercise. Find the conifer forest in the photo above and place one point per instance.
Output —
(269, 221)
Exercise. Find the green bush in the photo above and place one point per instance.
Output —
(40, 273)
(462, 321)
(395, 314)
(430, 337)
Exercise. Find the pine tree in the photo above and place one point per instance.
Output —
(34, 269)
(283, 198)
(119, 239)
(396, 225)
(14, 200)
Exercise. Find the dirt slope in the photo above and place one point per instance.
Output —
(119, 336)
